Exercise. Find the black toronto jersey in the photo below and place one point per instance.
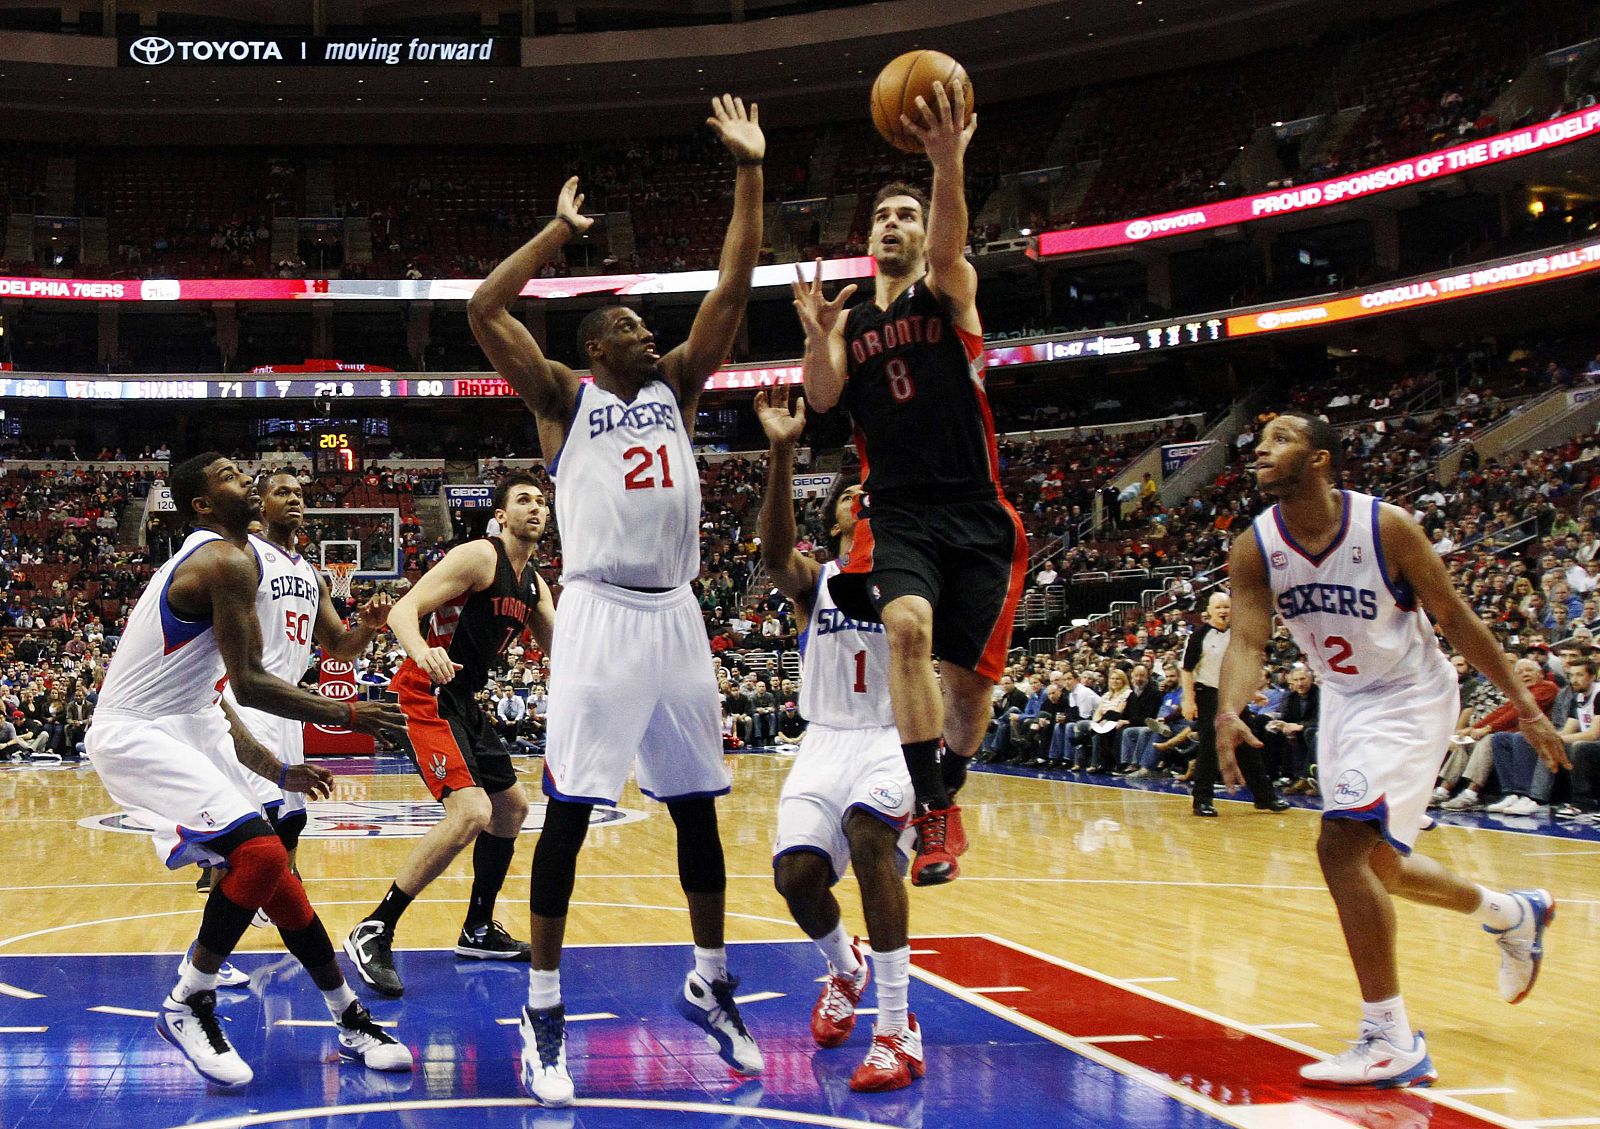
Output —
(915, 396)
(477, 627)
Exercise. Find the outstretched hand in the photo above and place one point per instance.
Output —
(818, 316)
(1230, 734)
(568, 206)
(782, 423)
(739, 130)
(375, 612)
(944, 139)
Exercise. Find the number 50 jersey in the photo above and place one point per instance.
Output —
(628, 491)
(1357, 626)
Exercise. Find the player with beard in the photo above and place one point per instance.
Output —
(477, 601)
(1356, 581)
(621, 451)
(172, 753)
(940, 556)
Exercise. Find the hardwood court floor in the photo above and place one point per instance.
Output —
(1121, 887)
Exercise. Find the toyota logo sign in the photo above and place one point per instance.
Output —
(1139, 229)
(152, 50)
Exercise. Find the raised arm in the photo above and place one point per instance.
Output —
(794, 573)
(548, 387)
(1406, 548)
(466, 568)
(945, 141)
(722, 309)
(825, 366)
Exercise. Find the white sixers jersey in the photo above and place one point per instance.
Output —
(844, 673)
(287, 600)
(628, 491)
(165, 664)
(1355, 624)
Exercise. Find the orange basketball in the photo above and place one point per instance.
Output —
(899, 84)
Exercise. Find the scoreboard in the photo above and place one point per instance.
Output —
(336, 450)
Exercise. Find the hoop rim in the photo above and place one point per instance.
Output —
(339, 568)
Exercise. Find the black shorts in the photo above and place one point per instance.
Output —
(967, 559)
(453, 747)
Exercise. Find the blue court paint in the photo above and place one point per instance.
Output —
(101, 1071)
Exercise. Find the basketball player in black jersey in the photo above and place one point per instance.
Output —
(481, 598)
(940, 556)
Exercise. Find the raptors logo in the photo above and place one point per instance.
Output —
(440, 767)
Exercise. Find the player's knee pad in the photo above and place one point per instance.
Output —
(256, 868)
(289, 907)
(701, 869)
(309, 944)
(555, 856)
(290, 828)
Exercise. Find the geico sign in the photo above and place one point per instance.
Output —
(153, 50)
(338, 691)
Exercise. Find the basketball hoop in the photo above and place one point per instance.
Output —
(340, 574)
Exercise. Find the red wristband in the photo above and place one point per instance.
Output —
(350, 722)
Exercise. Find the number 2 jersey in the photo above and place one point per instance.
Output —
(1357, 626)
(915, 395)
(628, 491)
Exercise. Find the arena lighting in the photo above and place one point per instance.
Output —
(398, 290)
(1308, 197)
(1145, 339)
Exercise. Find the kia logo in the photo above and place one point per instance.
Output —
(338, 691)
(336, 666)
(1139, 229)
(152, 50)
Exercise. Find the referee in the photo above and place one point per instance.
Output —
(1202, 668)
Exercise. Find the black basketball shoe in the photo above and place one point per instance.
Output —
(490, 941)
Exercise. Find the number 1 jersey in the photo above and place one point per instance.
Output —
(628, 491)
(1358, 627)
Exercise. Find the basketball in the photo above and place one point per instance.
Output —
(903, 81)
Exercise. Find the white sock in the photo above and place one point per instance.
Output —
(840, 951)
(544, 988)
(1388, 1018)
(1498, 909)
(711, 964)
(337, 1000)
(192, 980)
(894, 984)
(1468, 794)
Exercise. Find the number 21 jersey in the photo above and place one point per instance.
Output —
(628, 491)
(1357, 626)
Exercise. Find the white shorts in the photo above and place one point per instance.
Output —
(176, 774)
(838, 770)
(632, 678)
(1379, 752)
(285, 739)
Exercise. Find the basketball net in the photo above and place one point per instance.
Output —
(340, 574)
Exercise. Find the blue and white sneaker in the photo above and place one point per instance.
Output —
(544, 1056)
(227, 976)
(1522, 946)
(1374, 1063)
(192, 1026)
(710, 1006)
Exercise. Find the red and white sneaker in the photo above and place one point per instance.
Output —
(834, 1016)
(935, 863)
(894, 1062)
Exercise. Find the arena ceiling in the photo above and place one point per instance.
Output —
(805, 67)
